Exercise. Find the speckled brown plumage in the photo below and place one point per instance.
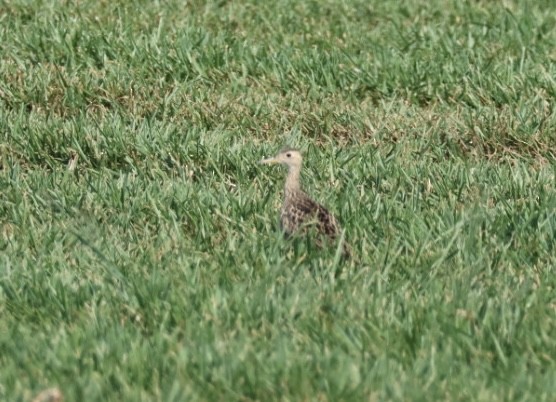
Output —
(300, 213)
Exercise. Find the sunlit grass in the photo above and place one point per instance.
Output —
(155, 270)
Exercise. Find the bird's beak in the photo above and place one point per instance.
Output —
(269, 161)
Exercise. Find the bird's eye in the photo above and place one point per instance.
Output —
(288, 155)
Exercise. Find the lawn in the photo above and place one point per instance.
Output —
(140, 252)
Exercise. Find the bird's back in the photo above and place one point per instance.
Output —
(300, 213)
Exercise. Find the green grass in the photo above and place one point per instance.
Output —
(156, 271)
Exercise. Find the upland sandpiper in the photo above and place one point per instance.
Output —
(299, 212)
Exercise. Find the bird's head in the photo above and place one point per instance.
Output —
(288, 156)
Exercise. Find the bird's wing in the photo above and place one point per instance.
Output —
(327, 222)
(305, 212)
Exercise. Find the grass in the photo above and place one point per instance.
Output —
(155, 270)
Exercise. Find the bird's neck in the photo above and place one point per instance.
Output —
(292, 182)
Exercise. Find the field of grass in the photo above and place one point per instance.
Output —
(154, 270)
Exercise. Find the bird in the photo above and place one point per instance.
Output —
(299, 212)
